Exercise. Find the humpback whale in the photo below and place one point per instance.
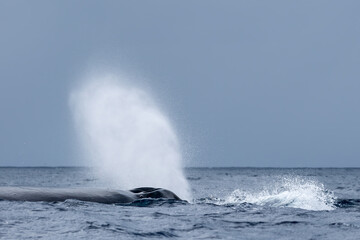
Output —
(35, 194)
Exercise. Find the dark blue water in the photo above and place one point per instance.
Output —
(229, 203)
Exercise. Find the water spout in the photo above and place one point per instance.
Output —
(125, 135)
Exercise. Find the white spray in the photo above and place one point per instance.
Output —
(126, 136)
(292, 191)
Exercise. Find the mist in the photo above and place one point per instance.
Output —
(125, 136)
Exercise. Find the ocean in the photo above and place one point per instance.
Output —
(227, 203)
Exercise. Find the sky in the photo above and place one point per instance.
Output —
(245, 83)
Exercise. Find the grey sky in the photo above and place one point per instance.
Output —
(247, 83)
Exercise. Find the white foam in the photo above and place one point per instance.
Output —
(126, 136)
(293, 192)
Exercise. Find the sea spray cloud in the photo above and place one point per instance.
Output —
(126, 136)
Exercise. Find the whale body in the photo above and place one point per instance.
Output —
(34, 194)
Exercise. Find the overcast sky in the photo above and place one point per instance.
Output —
(246, 83)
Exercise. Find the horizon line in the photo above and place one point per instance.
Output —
(210, 167)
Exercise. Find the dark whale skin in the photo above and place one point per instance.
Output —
(34, 194)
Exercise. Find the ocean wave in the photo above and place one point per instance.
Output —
(347, 203)
(295, 192)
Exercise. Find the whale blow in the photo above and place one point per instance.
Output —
(126, 136)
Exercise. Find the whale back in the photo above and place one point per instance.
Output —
(149, 192)
(83, 194)
(61, 194)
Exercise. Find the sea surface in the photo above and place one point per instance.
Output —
(228, 203)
